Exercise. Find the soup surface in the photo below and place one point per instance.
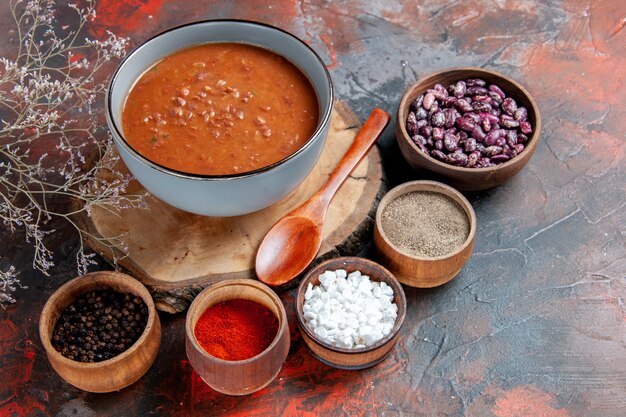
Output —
(220, 108)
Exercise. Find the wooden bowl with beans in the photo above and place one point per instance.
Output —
(119, 371)
(424, 232)
(441, 127)
(354, 358)
(245, 376)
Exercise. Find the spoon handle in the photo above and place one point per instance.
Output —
(365, 139)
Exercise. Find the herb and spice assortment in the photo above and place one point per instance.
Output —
(348, 318)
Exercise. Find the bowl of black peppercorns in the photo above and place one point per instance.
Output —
(474, 128)
(100, 331)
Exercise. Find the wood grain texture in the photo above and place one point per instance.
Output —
(115, 373)
(176, 253)
(237, 377)
(417, 271)
(294, 241)
(344, 358)
(468, 179)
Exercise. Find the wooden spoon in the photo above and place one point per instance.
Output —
(293, 242)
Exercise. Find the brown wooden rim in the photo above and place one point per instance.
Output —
(93, 277)
(532, 140)
(348, 259)
(257, 285)
(403, 189)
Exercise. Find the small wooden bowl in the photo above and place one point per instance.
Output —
(115, 373)
(416, 271)
(245, 376)
(469, 179)
(344, 358)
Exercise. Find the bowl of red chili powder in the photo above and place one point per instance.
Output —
(237, 336)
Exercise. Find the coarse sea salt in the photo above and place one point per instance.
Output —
(349, 310)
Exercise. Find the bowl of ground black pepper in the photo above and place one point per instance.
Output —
(100, 331)
(237, 336)
(424, 232)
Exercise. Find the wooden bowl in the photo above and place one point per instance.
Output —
(115, 373)
(245, 376)
(417, 271)
(344, 358)
(469, 179)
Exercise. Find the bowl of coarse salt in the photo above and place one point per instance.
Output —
(350, 311)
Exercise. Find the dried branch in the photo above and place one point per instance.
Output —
(51, 144)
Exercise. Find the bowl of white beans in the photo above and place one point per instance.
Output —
(350, 311)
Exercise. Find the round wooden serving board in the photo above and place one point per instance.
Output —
(176, 254)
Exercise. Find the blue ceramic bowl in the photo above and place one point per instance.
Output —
(221, 195)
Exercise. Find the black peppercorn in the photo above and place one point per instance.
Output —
(89, 331)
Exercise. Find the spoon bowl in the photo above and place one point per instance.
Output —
(293, 242)
(288, 253)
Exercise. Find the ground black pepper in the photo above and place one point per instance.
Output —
(99, 325)
(424, 223)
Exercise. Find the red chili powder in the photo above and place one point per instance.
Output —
(235, 330)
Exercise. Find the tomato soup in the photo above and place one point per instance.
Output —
(220, 108)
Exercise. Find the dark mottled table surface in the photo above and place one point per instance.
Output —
(535, 324)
